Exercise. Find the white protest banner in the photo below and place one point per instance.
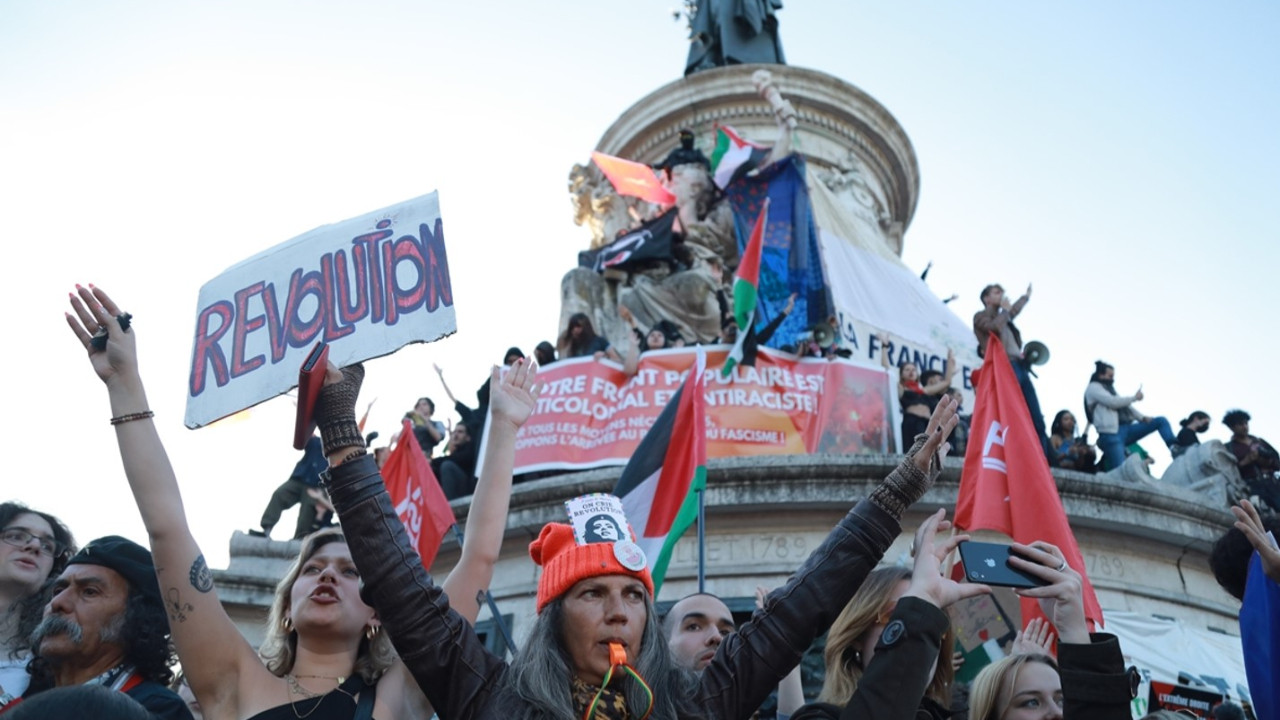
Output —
(367, 286)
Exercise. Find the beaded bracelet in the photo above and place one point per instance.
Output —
(132, 416)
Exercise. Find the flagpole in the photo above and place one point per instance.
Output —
(493, 606)
(702, 541)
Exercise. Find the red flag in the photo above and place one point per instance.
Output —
(633, 178)
(417, 496)
(1003, 444)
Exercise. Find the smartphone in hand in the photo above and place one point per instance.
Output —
(310, 380)
(988, 563)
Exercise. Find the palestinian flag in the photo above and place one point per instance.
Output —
(745, 282)
(733, 157)
(659, 486)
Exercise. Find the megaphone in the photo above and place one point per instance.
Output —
(822, 335)
(1035, 353)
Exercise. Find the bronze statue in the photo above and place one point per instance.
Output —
(733, 32)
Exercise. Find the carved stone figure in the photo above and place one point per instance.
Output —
(683, 292)
(598, 206)
(731, 32)
(1207, 470)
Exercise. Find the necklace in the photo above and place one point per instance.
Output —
(296, 687)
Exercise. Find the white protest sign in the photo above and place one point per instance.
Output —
(366, 286)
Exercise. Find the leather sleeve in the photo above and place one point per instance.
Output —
(437, 645)
(752, 661)
(1094, 682)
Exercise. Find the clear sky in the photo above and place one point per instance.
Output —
(1120, 156)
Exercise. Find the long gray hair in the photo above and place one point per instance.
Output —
(542, 674)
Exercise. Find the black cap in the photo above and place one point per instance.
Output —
(126, 557)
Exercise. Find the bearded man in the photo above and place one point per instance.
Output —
(106, 624)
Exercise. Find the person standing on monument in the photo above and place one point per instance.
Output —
(997, 316)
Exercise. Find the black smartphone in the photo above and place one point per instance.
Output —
(988, 563)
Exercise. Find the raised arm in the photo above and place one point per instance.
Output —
(439, 648)
(943, 383)
(884, 350)
(898, 675)
(447, 391)
(1016, 309)
(215, 657)
(791, 689)
(1097, 394)
(753, 660)
(511, 401)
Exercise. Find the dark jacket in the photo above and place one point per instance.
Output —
(1095, 685)
(894, 683)
(463, 680)
(160, 701)
(1094, 682)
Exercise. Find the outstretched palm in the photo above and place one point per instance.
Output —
(512, 397)
(94, 309)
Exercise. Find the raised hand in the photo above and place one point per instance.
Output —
(1062, 600)
(1250, 523)
(941, 423)
(96, 313)
(927, 580)
(512, 397)
(1035, 639)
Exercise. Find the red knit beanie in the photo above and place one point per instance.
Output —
(565, 562)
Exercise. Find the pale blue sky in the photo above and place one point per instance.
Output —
(1121, 156)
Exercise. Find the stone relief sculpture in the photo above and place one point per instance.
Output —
(598, 206)
(1204, 470)
(684, 291)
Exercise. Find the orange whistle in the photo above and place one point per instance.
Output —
(617, 654)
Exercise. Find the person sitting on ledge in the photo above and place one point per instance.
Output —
(1119, 425)
(579, 339)
(1257, 460)
(1192, 425)
(1067, 449)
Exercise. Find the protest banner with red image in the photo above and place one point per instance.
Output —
(589, 414)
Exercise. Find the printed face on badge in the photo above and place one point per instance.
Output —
(603, 528)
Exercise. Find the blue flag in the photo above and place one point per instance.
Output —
(790, 260)
(1260, 638)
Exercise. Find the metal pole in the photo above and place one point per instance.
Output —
(493, 606)
(702, 541)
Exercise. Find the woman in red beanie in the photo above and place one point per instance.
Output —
(596, 650)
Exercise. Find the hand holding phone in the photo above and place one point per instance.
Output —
(988, 563)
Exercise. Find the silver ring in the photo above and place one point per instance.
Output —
(1063, 566)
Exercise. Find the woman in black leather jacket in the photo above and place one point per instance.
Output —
(553, 675)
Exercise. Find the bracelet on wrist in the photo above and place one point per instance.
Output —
(130, 417)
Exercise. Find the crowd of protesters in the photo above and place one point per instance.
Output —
(356, 631)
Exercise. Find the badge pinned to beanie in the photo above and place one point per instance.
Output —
(597, 541)
(599, 518)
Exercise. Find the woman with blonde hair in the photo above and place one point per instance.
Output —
(326, 656)
(889, 651)
(1088, 680)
